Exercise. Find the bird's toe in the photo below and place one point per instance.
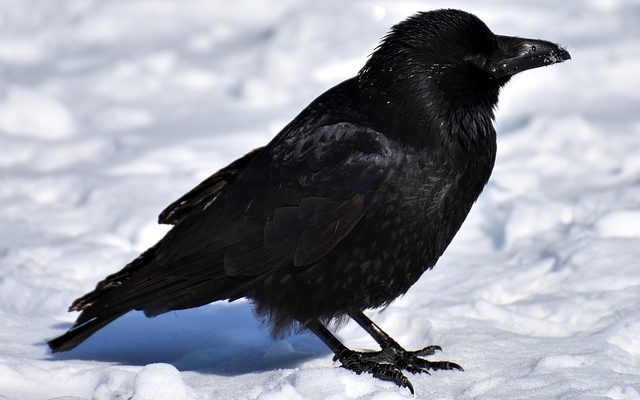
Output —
(427, 351)
(354, 361)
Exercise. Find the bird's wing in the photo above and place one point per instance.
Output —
(200, 196)
(321, 185)
(298, 198)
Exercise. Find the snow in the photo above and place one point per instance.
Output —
(34, 114)
(110, 110)
(159, 382)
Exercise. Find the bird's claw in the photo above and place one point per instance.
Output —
(388, 363)
(353, 361)
(411, 361)
(419, 365)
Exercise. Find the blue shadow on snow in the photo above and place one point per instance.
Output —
(220, 338)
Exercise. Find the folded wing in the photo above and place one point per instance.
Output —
(282, 206)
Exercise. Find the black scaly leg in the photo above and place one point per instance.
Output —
(393, 353)
(353, 360)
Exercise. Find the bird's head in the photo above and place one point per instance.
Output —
(446, 60)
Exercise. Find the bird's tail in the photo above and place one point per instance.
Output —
(144, 285)
(80, 332)
(103, 305)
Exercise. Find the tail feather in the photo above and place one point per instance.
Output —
(80, 332)
(112, 282)
(135, 287)
(96, 311)
(147, 285)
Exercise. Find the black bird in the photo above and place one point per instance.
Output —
(348, 205)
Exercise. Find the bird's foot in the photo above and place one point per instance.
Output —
(358, 362)
(411, 361)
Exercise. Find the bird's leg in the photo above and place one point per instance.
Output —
(395, 354)
(353, 360)
(383, 339)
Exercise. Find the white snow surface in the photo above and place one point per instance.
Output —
(110, 110)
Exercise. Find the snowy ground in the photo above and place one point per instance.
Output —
(109, 110)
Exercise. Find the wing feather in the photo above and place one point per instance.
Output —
(283, 206)
(206, 192)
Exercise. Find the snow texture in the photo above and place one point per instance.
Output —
(110, 110)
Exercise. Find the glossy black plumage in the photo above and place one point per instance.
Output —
(349, 204)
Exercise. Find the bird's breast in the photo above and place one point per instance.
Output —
(425, 203)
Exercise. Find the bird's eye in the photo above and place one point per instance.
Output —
(478, 60)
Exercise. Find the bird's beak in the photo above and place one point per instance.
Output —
(517, 54)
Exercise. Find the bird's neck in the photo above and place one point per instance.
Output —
(418, 117)
(469, 128)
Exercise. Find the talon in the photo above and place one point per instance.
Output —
(439, 365)
(409, 386)
(457, 366)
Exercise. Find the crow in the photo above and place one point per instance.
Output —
(347, 206)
